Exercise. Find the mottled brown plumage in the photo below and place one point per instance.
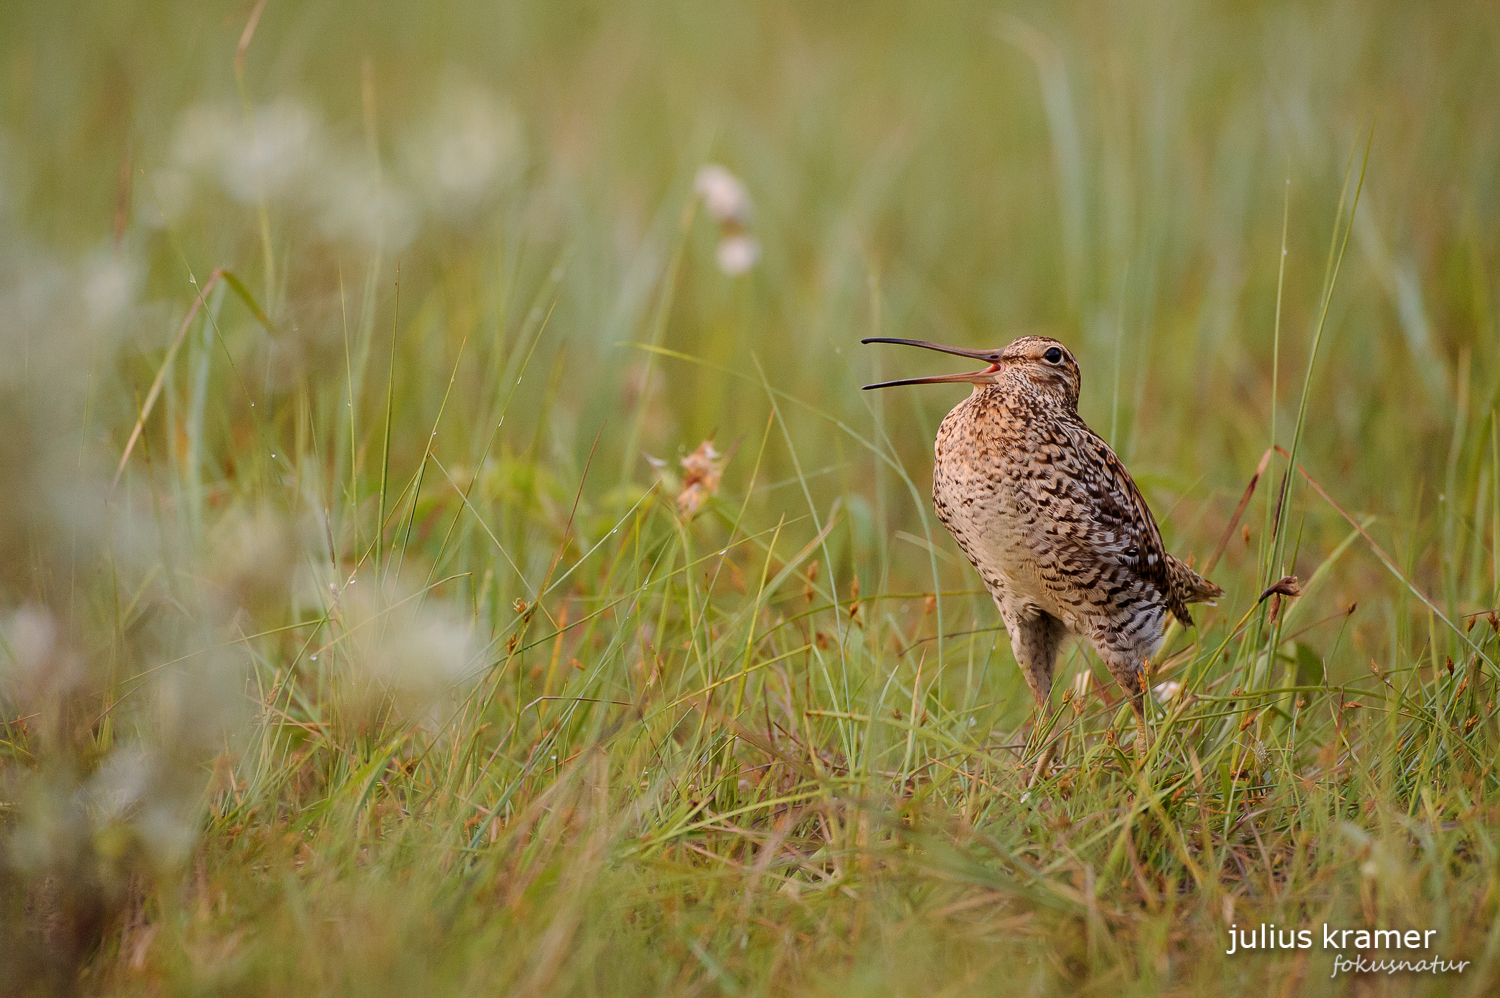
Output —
(1050, 518)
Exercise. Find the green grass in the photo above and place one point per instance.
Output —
(389, 663)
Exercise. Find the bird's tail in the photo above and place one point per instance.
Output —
(1190, 587)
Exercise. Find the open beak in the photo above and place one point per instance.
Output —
(971, 377)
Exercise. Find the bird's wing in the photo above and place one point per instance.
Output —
(1124, 530)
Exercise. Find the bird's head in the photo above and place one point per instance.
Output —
(1042, 363)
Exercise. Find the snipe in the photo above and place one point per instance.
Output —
(1050, 518)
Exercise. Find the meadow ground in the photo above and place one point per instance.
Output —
(372, 619)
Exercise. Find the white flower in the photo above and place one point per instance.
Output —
(119, 783)
(473, 146)
(110, 282)
(37, 664)
(267, 157)
(398, 647)
(723, 195)
(737, 254)
(282, 145)
(363, 207)
(31, 634)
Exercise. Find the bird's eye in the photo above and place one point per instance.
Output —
(1053, 356)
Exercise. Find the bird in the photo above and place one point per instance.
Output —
(1048, 515)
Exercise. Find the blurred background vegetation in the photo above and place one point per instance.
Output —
(275, 697)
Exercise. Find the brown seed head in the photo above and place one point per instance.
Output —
(702, 470)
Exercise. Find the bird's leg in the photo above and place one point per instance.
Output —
(1045, 759)
(1142, 739)
(1138, 705)
(1035, 637)
(1131, 677)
